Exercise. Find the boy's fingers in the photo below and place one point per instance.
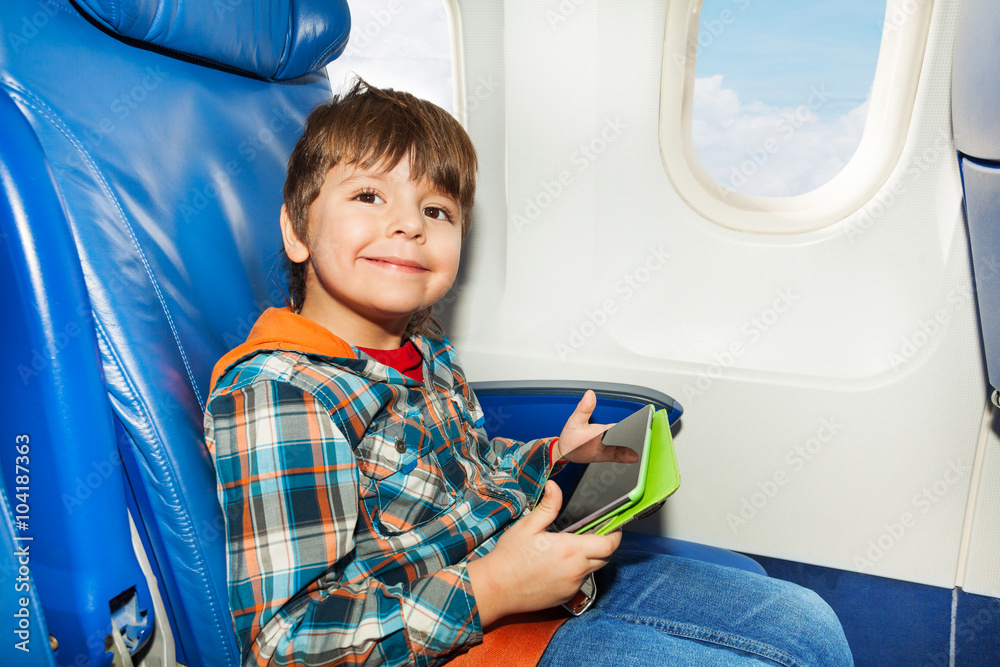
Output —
(585, 407)
(600, 547)
(611, 543)
(616, 539)
(547, 509)
(620, 455)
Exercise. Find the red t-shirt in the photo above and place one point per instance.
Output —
(405, 359)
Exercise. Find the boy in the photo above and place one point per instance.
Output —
(369, 519)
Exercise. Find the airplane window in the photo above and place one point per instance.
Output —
(781, 90)
(786, 116)
(401, 44)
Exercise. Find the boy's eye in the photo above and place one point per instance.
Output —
(369, 198)
(437, 213)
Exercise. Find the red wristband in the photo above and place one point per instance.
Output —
(552, 445)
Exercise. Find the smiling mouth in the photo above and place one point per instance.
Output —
(396, 264)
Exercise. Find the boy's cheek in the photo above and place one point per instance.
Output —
(452, 260)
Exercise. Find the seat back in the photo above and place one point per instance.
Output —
(975, 119)
(142, 155)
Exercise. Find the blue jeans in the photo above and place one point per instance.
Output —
(654, 609)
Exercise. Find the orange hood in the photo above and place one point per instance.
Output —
(281, 329)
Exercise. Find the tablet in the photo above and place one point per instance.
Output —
(662, 479)
(609, 487)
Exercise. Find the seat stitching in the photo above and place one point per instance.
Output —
(184, 521)
(40, 106)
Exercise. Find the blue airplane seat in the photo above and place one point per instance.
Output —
(142, 155)
(58, 448)
(975, 104)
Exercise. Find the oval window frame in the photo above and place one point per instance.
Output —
(894, 90)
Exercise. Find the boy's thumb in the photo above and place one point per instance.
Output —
(548, 508)
(585, 407)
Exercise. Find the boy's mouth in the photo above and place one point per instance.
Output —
(396, 264)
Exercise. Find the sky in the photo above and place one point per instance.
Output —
(781, 86)
(781, 90)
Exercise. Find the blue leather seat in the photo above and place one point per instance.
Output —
(142, 155)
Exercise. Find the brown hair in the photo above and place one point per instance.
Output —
(369, 127)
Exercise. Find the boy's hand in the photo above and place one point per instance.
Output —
(530, 569)
(580, 441)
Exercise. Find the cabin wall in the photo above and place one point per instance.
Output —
(979, 570)
(833, 381)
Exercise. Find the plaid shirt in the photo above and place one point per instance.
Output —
(354, 497)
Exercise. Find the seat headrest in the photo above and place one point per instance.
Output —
(273, 39)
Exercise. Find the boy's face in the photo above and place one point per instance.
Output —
(382, 247)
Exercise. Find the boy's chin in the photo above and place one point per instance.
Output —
(388, 315)
(402, 307)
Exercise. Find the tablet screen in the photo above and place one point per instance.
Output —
(606, 487)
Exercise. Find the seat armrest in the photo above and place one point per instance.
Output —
(526, 409)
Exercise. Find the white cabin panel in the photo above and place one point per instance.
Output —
(832, 381)
(982, 566)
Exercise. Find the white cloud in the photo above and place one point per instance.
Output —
(756, 149)
(399, 44)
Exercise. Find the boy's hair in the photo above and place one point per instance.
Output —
(369, 127)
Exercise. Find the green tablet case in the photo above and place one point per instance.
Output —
(662, 479)
(613, 480)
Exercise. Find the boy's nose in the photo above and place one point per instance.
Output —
(407, 221)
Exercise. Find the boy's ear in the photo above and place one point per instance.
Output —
(294, 247)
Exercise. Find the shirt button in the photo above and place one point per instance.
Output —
(471, 405)
(400, 445)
